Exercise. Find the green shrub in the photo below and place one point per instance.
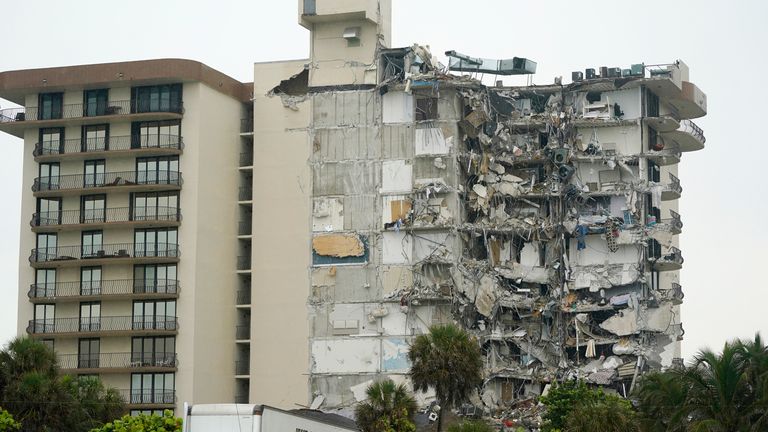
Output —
(144, 423)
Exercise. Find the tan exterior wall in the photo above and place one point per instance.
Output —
(281, 238)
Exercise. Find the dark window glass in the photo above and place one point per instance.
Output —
(95, 102)
(159, 98)
(155, 242)
(49, 176)
(94, 173)
(155, 206)
(95, 138)
(157, 134)
(50, 106)
(51, 141)
(92, 245)
(93, 208)
(88, 353)
(157, 170)
(157, 278)
(90, 281)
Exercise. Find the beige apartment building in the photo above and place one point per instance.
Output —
(289, 258)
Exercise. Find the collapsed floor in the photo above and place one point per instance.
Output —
(531, 215)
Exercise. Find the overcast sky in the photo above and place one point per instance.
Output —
(723, 43)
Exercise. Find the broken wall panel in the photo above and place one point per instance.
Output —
(339, 249)
(346, 108)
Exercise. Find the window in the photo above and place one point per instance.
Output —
(94, 173)
(95, 138)
(152, 388)
(90, 316)
(654, 173)
(48, 211)
(153, 351)
(157, 242)
(49, 176)
(157, 170)
(155, 206)
(93, 208)
(44, 318)
(51, 141)
(90, 281)
(159, 98)
(158, 134)
(88, 353)
(652, 104)
(154, 315)
(159, 278)
(45, 247)
(49, 343)
(426, 108)
(45, 283)
(50, 106)
(95, 102)
(92, 244)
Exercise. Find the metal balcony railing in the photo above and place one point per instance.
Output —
(673, 256)
(246, 193)
(79, 110)
(244, 297)
(241, 398)
(674, 184)
(124, 178)
(692, 129)
(111, 143)
(102, 324)
(246, 159)
(116, 250)
(122, 360)
(100, 216)
(244, 262)
(243, 332)
(242, 367)
(244, 227)
(103, 288)
(246, 125)
(148, 397)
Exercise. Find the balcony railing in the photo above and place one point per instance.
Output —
(148, 397)
(244, 262)
(118, 214)
(241, 398)
(243, 297)
(693, 129)
(243, 332)
(244, 227)
(102, 324)
(674, 184)
(112, 143)
(246, 193)
(80, 110)
(122, 360)
(246, 159)
(123, 178)
(103, 288)
(116, 250)
(242, 367)
(246, 125)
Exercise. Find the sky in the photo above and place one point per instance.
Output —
(724, 196)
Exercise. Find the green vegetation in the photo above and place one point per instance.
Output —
(449, 361)
(144, 423)
(41, 399)
(389, 408)
(7, 422)
(726, 392)
(574, 407)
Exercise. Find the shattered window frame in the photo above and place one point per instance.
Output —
(325, 260)
(425, 107)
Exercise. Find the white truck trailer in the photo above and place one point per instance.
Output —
(260, 418)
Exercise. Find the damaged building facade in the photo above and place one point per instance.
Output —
(542, 218)
(379, 192)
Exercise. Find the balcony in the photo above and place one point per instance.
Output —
(121, 288)
(671, 190)
(117, 253)
(125, 181)
(242, 368)
(675, 222)
(104, 326)
(136, 399)
(125, 362)
(77, 148)
(689, 136)
(245, 193)
(15, 120)
(246, 125)
(243, 297)
(243, 332)
(672, 260)
(138, 217)
(244, 263)
(246, 159)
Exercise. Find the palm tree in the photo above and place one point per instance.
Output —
(389, 407)
(725, 392)
(607, 414)
(449, 361)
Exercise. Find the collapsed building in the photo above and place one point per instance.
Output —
(542, 218)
